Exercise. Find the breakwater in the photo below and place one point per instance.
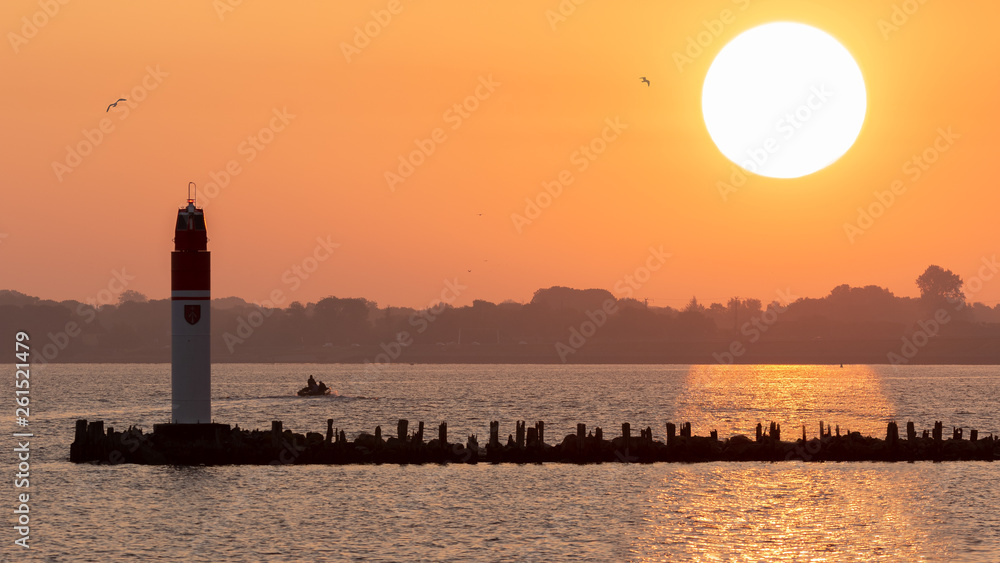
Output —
(219, 444)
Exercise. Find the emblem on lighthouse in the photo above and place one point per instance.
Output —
(192, 313)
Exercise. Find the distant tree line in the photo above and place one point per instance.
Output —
(350, 329)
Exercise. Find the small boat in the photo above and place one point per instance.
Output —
(307, 392)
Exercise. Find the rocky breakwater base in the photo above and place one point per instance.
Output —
(218, 444)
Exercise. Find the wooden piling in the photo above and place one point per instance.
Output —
(401, 429)
(911, 431)
(581, 434)
(804, 440)
(419, 438)
(276, 433)
(760, 431)
(520, 433)
(494, 433)
(378, 434)
(443, 434)
(626, 433)
(598, 434)
(96, 430)
(81, 431)
(938, 430)
(956, 433)
(532, 437)
(540, 427)
(821, 434)
(671, 430)
(329, 430)
(973, 435)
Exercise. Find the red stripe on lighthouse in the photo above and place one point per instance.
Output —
(190, 271)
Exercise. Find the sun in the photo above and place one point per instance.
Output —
(784, 100)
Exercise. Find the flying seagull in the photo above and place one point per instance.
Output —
(643, 78)
(114, 104)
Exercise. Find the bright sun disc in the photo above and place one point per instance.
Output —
(784, 100)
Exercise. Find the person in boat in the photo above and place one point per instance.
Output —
(322, 388)
(312, 383)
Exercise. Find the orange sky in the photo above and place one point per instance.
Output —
(223, 75)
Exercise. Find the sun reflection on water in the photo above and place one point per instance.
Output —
(789, 512)
(733, 398)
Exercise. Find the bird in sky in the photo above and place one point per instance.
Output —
(114, 104)
(643, 78)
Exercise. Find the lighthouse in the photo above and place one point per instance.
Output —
(190, 317)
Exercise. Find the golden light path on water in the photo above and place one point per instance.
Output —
(733, 398)
(790, 511)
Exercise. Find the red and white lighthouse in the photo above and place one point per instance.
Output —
(190, 318)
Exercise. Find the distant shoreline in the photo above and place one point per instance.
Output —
(972, 351)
